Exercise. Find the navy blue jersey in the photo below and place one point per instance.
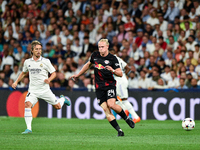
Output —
(103, 77)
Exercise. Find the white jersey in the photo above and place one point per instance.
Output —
(38, 72)
(122, 82)
(122, 65)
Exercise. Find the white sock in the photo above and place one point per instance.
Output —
(28, 117)
(61, 101)
(130, 109)
(121, 104)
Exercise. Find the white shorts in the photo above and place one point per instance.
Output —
(48, 96)
(122, 90)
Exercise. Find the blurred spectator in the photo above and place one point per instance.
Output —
(198, 82)
(71, 85)
(15, 73)
(92, 34)
(69, 52)
(191, 43)
(188, 80)
(139, 36)
(162, 43)
(197, 68)
(191, 57)
(110, 32)
(153, 20)
(191, 70)
(65, 36)
(20, 54)
(194, 84)
(87, 46)
(154, 79)
(160, 84)
(132, 81)
(135, 11)
(66, 71)
(3, 84)
(6, 60)
(118, 22)
(54, 38)
(122, 34)
(62, 81)
(166, 75)
(24, 83)
(145, 15)
(182, 84)
(125, 55)
(143, 81)
(174, 82)
(196, 53)
(172, 12)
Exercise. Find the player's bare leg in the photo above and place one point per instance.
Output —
(28, 117)
(110, 117)
(61, 101)
(130, 109)
(120, 111)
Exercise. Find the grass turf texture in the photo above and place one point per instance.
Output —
(96, 135)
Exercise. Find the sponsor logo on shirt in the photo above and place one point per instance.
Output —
(35, 70)
(99, 66)
(116, 64)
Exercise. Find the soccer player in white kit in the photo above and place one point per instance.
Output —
(122, 88)
(38, 68)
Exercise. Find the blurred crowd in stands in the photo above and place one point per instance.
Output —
(159, 39)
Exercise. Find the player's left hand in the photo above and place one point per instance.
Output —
(47, 81)
(109, 68)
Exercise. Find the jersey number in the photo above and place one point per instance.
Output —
(111, 93)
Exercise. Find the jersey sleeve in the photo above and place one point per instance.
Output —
(50, 67)
(123, 63)
(92, 58)
(25, 67)
(115, 63)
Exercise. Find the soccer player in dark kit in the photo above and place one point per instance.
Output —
(106, 65)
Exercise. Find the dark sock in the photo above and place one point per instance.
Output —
(115, 125)
(123, 115)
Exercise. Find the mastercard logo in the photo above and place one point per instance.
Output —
(15, 105)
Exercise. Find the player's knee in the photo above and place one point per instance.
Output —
(112, 105)
(28, 104)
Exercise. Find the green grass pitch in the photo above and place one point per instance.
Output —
(82, 134)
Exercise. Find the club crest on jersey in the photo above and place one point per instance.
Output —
(41, 65)
(29, 65)
(98, 101)
(106, 62)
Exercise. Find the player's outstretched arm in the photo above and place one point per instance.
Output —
(83, 70)
(53, 75)
(21, 76)
(118, 72)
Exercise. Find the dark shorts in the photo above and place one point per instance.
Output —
(106, 93)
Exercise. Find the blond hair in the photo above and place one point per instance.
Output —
(104, 40)
(34, 43)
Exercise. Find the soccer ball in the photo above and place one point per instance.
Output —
(188, 124)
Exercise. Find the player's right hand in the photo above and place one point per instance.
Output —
(74, 77)
(14, 85)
